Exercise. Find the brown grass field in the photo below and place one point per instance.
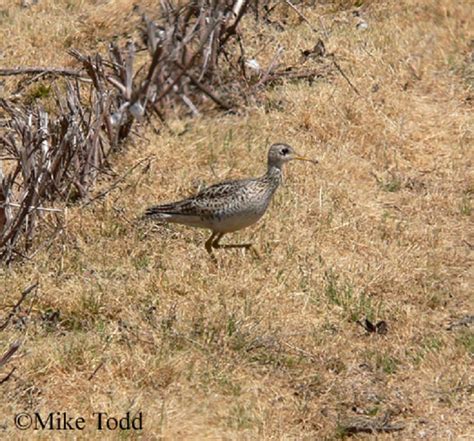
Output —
(132, 317)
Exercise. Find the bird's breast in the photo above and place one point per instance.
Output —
(242, 213)
(230, 222)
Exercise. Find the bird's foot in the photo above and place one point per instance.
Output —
(246, 246)
(211, 251)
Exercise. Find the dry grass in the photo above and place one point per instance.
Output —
(268, 348)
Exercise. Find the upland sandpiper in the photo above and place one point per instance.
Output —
(230, 205)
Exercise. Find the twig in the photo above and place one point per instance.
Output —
(23, 296)
(345, 77)
(292, 6)
(40, 70)
(116, 182)
(7, 377)
(188, 64)
(12, 204)
(237, 7)
(47, 243)
(204, 89)
(302, 351)
(9, 354)
(271, 66)
(91, 376)
(240, 9)
(186, 100)
(298, 74)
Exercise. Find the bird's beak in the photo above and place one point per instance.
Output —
(303, 158)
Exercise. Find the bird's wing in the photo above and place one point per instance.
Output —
(181, 207)
(223, 189)
(206, 202)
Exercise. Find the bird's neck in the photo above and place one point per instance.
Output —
(273, 176)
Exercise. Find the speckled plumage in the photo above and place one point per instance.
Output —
(231, 205)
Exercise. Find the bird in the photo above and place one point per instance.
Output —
(230, 205)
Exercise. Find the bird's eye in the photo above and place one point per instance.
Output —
(284, 151)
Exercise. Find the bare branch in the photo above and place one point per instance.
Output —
(51, 210)
(292, 6)
(23, 296)
(9, 354)
(40, 70)
(345, 77)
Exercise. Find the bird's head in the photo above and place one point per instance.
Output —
(280, 153)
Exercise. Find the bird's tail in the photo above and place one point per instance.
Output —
(180, 212)
(160, 211)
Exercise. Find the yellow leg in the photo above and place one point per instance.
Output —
(215, 243)
(209, 243)
(247, 246)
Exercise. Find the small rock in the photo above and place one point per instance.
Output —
(28, 3)
(362, 25)
(253, 64)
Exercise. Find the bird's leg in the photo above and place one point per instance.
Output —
(210, 241)
(209, 244)
(247, 246)
(215, 243)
